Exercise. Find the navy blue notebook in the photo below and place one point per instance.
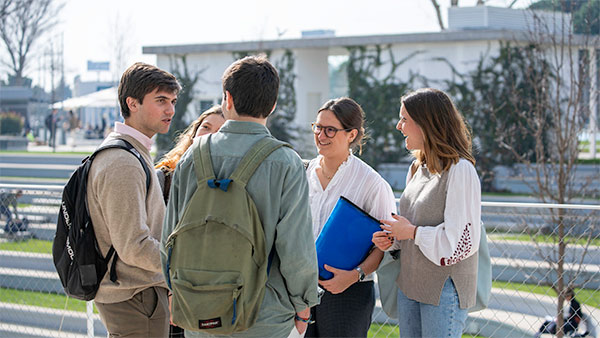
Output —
(346, 237)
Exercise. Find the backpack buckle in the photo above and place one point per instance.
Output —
(221, 184)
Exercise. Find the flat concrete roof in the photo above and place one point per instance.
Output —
(340, 41)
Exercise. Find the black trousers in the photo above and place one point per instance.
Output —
(347, 314)
(549, 326)
(176, 332)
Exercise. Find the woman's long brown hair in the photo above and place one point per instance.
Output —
(446, 137)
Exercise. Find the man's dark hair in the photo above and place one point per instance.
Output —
(141, 79)
(253, 83)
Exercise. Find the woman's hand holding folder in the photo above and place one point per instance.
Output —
(383, 240)
(341, 280)
(400, 229)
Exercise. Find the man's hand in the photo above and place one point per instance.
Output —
(170, 313)
(342, 279)
(300, 325)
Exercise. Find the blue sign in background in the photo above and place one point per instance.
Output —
(91, 65)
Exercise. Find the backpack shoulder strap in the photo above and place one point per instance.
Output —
(254, 157)
(124, 144)
(202, 163)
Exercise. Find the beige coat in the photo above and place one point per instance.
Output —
(129, 218)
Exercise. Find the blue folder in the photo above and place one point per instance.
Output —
(346, 237)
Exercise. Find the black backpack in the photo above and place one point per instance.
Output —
(77, 257)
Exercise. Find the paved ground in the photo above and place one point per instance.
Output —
(80, 145)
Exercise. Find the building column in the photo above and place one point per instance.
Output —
(312, 90)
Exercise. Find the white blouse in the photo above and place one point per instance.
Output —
(445, 242)
(354, 180)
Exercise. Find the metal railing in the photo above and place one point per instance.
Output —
(532, 246)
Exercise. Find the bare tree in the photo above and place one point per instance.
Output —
(559, 73)
(120, 42)
(438, 13)
(21, 28)
(187, 79)
(5, 8)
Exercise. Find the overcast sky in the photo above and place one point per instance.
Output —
(89, 28)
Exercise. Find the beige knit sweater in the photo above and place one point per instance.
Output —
(129, 218)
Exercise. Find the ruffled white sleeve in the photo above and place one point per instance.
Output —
(457, 238)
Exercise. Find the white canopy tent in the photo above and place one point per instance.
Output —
(93, 108)
(105, 98)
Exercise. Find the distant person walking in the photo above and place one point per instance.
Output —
(73, 126)
(51, 122)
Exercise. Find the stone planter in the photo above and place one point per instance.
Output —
(13, 143)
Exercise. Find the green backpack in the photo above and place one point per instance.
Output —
(217, 259)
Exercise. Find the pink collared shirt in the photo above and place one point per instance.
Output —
(136, 134)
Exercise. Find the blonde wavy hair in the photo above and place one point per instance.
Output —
(185, 139)
(446, 136)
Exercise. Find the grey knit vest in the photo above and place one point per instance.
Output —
(423, 203)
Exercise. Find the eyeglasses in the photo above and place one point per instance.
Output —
(329, 131)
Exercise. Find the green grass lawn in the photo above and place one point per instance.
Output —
(585, 296)
(48, 300)
(551, 239)
(30, 245)
(383, 330)
(589, 161)
(389, 331)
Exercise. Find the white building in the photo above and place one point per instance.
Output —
(473, 32)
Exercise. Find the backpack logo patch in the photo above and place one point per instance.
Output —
(209, 323)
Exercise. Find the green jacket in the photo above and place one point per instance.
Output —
(280, 192)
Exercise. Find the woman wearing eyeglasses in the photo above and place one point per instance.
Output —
(347, 305)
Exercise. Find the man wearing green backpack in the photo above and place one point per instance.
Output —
(237, 246)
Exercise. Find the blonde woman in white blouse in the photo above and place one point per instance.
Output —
(439, 226)
(347, 305)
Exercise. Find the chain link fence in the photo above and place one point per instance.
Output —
(536, 249)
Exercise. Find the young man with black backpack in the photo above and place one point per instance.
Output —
(207, 229)
(128, 216)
